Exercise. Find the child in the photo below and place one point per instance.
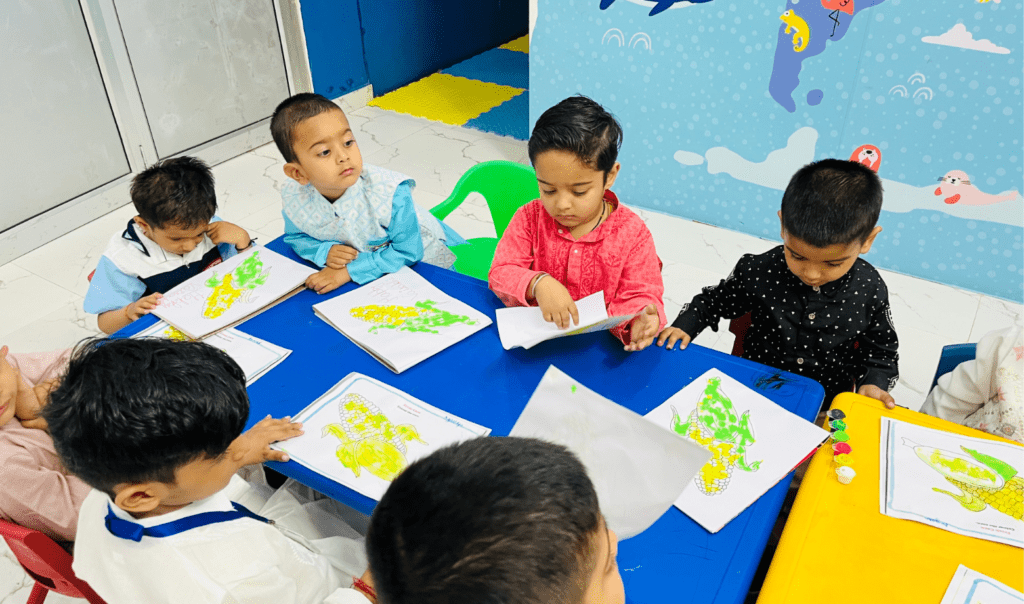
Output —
(987, 392)
(577, 239)
(357, 221)
(175, 236)
(817, 308)
(168, 519)
(37, 491)
(529, 529)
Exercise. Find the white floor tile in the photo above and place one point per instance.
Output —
(932, 307)
(62, 328)
(994, 313)
(26, 298)
(249, 183)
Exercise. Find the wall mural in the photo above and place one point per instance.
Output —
(722, 101)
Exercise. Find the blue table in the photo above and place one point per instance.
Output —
(675, 559)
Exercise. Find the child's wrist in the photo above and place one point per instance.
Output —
(536, 281)
(252, 242)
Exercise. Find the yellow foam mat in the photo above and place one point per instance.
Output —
(518, 45)
(446, 98)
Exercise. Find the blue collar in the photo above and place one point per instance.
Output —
(126, 529)
(130, 234)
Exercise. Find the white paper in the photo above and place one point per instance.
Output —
(925, 474)
(255, 356)
(226, 293)
(525, 326)
(972, 587)
(362, 433)
(637, 469)
(754, 442)
(401, 319)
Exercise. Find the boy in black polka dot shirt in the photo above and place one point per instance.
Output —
(817, 309)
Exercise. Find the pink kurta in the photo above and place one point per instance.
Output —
(617, 257)
(37, 492)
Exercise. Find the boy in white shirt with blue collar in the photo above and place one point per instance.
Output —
(169, 520)
(175, 237)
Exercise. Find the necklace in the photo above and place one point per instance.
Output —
(604, 206)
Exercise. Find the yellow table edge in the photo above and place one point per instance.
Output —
(835, 555)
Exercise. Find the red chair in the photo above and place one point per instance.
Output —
(739, 327)
(47, 563)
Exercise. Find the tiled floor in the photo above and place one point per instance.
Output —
(41, 293)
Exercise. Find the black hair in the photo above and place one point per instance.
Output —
(290, 113)
(582, 127)
(832, 201)
(177, 191)
(490, 520)
(134, 410)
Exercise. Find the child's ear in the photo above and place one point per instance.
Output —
(294, 171)
(866, 246)
(138, 498)
(609, 178)
(3, 351)
(142, 224)
(782, 227)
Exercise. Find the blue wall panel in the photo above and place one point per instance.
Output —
(405, 40)
(335, 46)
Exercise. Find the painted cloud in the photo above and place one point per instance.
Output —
(959, 37)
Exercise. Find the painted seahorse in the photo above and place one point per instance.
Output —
(802, 33)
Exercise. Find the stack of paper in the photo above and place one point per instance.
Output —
(401, 319)
(232, 291)
(253, 355)
(972, 587)
(754, 443)
(524, 326)
(362, 433)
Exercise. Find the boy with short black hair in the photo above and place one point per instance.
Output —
(169, 519)
(497, 520)
(356, 221)
(817, 309)
(174, 237)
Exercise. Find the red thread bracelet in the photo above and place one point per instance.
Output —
(363, 587)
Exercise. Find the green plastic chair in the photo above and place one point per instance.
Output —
(507, 186)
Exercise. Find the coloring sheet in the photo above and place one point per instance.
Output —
(965, 485)
(401, 319)
(525, 326)
(255, 356)
(362, 433)
(638, 470)
(753, 442)
(231, 291)
(971, 587)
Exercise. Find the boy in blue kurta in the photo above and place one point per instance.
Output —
(358, 222)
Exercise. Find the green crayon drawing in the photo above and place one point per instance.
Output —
(227, 290)
(574, 388)
(714, 425)
(983, 480)
(422, 317)
(369, 440)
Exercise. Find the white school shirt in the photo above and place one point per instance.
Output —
(233, 562)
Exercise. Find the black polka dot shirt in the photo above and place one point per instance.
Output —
(840, 334)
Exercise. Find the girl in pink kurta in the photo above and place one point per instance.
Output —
(35, 489)
(577, 239)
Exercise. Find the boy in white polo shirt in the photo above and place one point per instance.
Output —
(175, 236)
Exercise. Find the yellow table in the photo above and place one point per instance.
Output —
(837, 547)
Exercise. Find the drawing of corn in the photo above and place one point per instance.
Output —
(369, 439)
(227, 290)
(714, 425)
(982, 479)
(422, 317)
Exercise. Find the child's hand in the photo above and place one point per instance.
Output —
(671, 335)
(142, 306)
(556, 303)
(253, 446)
(225, 232)
(643, 328)
(872, 391)
(328, 280)
(340, 255)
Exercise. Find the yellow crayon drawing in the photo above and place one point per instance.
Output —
(369, 440)
(227, 290)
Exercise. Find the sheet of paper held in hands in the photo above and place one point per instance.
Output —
(231, 292)
(401, 319)
(255, 356)
(525, 326)
(362, 433)
(970, 486)
(754, 443)
(972, 587)
(637, 469)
